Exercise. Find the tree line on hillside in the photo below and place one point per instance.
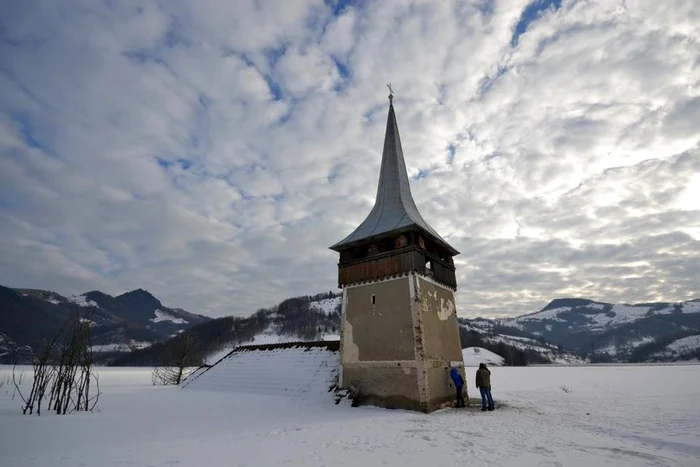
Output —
(293, 317)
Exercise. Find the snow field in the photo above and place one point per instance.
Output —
(567, 416)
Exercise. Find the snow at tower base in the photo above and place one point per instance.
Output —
(570, 416)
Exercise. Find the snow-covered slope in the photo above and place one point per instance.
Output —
(473, 356)
(299, 372)
(684, 349)
(327, 305)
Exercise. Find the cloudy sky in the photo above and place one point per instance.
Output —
(211, 151)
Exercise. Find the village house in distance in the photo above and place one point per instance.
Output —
(399, 331)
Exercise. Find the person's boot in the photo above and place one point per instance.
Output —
(483, 409)
(491, 409)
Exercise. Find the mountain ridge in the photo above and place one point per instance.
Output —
(566, 330)
(130, 320)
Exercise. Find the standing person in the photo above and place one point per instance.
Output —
(459, 384)
(483, 382)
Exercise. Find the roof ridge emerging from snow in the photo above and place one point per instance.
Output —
(332, 346)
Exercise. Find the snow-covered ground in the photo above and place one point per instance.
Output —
(568, 416)
(475, 355)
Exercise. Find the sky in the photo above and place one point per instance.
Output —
(211, 151)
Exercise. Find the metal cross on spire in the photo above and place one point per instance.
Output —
(391, 93)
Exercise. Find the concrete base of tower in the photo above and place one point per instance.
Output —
(392, 385)
(409, 385)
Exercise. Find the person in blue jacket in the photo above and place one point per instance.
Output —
(459, 384)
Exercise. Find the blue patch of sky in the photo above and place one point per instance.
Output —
(530, 14)
(485, 7)
(173, 35)
(166, 164)
(338, 7)
(246, 59)
(342, 67)
(488, 81)
(26, 129)
(344, 73)
(142, 56)
(378, 111)
(451, 149)
(273, 54)
(244, 195)
(274, 87)
(332, 175)
(422, 173)
(182, 163)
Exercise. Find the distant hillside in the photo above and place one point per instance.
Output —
(302, 318)
(608, 332)
(317, 318)
(517, 347)
(136, 329)
(131, 320)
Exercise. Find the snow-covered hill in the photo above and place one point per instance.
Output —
(605, 331)
(685, 348)
(473, 356)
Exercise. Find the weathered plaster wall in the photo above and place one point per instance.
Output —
(380, 331)
(394, 387)
(439, 321)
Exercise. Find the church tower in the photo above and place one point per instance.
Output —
(399, 331)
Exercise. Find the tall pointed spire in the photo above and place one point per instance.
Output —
(394, 208)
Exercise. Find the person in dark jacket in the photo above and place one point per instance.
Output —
(459, 384)
(483, 382)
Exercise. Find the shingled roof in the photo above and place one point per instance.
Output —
(394, 208)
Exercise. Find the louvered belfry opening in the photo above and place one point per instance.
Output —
(394, 239)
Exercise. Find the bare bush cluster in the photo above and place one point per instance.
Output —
(63, 371)
(180, 357)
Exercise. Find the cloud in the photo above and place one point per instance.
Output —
(212, 154)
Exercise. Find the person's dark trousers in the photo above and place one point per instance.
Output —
(486, 399)
(460, 398)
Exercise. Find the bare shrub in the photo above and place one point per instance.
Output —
(62, 371)
(175, 368)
